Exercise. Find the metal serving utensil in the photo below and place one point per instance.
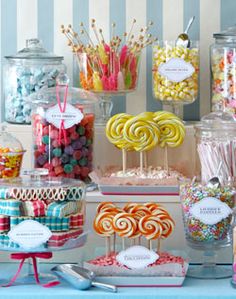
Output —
(183, 39)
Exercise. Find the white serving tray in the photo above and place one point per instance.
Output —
(142, 281)
(138, 190)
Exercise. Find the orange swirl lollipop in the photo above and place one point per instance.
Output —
(150, 226)
(106, 206)
(140, 211)
(152, 205)
(125, 225)
(103, 224)
(168, 225)
(129, 206)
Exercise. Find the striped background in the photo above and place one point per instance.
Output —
(23, 19)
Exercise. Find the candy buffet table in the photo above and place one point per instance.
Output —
(192, 288)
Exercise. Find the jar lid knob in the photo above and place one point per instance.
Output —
(62, 79)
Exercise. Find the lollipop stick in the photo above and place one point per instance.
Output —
(149, 244)
(166, 166)
(124, 160)
(107, 246)
(139, 240)
(141, 162)
(123, 243)
(114, 243)
(145, 161)
(158, 245)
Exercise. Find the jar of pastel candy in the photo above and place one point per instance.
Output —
(63, 130)
(207, 216)
(175, 73)
(11, 155)
(27, 72)
(223, 71)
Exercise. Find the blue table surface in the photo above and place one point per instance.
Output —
(192, 288)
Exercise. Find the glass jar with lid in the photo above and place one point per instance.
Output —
(207, 203)
(223, 70)
(25, 73)
(11, 155)
(63, 129)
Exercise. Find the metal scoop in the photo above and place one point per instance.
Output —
(80, 278)
(215, 182)
(183, 39)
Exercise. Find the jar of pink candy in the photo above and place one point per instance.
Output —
(63, 127)
(223, 71)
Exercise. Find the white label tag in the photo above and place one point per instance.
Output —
(176, 69)
(71, 116)
(210, 210)
(29, 234)
(137, 257)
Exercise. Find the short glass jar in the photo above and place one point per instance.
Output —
(223, 71)
(25, 73)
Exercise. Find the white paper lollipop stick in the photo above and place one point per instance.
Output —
(158, 245)
(123, 243)
(166, 166)
(124, 160)
(107, 246)
(114, 243)
(150, 244)
(141, 162)
(145, 161)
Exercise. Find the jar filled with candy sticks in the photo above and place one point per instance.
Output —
(216, 142)
(223, 70)
(63, 126)
(26, 72)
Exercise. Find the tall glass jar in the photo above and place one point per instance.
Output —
(63, 131)
(25, 73)
(175, 73)
(216, 146)
(223, 71)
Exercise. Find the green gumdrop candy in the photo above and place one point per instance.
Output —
(128, 80)
(73, 162)
(81, 130)
(57, 152)
(45, 139)
(83, 161)
(68, 168)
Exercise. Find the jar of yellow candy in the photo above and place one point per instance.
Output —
(175, 73)
(11, 155)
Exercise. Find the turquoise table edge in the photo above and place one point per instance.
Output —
(192, 288)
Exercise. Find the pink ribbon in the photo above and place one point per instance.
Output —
(33, 256)
(62, 110)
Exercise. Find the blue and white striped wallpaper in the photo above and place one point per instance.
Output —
(23, 19)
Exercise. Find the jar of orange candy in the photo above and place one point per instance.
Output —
(11, 155)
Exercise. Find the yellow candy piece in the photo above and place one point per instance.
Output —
(114, 130)
(172, 128)
(97, 82)
(102, 53)
(142, 132)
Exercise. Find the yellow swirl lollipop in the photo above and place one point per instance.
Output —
(114, 130)
(142, 132)
(172, 128)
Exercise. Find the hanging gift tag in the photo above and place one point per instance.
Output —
(71, 116)
(210, 210)
(29, 234)
(137, 257)
(176, 69)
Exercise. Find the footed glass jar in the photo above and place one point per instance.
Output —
(25, 73)
(207, 215)
(63, 131)
(175, 74)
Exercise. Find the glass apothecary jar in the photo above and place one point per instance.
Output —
(175, 74)
(63, 131)
(11, 155)
(25, 73)
(216, 146)
(223, 70)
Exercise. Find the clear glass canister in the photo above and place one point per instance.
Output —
(36, 202)
(175, 73)
(223, 71)
(25, 73)
(11, 155)
(216, 146)
(63, 139)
